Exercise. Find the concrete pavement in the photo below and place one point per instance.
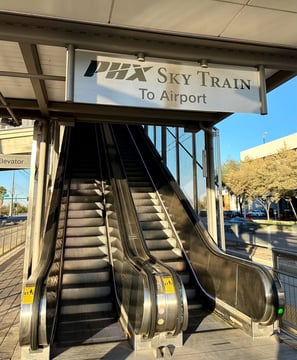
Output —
(229, 344)
(11, 275)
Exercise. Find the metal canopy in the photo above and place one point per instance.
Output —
(34, 37)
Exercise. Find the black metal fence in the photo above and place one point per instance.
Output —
(285, 264)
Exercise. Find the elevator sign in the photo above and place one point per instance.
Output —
(15, 161)
(155, 83)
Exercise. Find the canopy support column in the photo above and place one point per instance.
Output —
(210, 185)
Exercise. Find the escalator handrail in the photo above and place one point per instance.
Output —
(157, 265)
(119, 189)
(273, 292)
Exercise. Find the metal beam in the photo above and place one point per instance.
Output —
(31, 59)
(106, 113)
(37, 30)
(279, 78)
(32, 76)
(3, 101)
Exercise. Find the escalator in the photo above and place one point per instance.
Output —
(96, 283)
(159, 234)
(125, 258)
(87, 300)
(214, 281)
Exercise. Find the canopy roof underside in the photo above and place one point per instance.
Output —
(34, 36)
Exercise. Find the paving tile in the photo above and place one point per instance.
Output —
(222, 344)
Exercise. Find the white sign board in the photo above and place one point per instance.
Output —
(15, 161)
(156, 83)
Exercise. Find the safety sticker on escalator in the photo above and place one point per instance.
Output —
(28, 295)
(169, 286)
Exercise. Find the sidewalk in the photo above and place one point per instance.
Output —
(258, 245)
(11, 275)
(215, 344)
(261, 255)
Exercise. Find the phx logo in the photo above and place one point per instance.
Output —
(119, 71)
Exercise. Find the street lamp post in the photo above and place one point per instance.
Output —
(12, 194)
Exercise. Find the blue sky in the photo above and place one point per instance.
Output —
(242, 131)
(237, 133)
(21, 183)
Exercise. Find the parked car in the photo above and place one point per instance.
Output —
(255, 213)
(3, 219)
(243, 225)
(203, 213)
(229, 214)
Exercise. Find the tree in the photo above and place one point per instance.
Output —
(234, 179)
(265, 180)
(19, 208)
(3, 191)
(261, 182)
(286, 175)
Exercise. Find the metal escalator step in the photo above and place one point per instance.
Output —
(133, 171)
(86, 192)
(85, 231)
(165, 255)
(132, 165)
(73, 308)
(149, 209)
(85, 222)
(86, 277)
(86, 264)
(86, 252)
(85, 205)
(191, 293)
(137, 183)
(151, 216)
(86, 292)
(155, 225)
(81, 241)
(84, 184)
(157, 234)
(90, 332)
(84, 198)
(194, 305)
(77, 317)
(162, 244)
(185, 277)
(78, 214)
(139, 192)
(178, 265)
(146, 202)
(84, 173)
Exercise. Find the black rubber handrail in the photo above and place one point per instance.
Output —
(182, 317)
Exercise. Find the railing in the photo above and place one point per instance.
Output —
(285, 264)
(12, 236)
